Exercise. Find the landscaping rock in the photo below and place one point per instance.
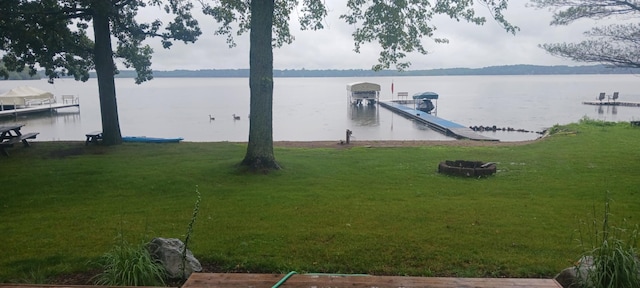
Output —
(169, 252)
(572, 276)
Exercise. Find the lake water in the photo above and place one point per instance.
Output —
(314, 109)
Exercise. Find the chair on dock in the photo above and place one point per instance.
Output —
(614, 97)
(601, 96)
(69, 99)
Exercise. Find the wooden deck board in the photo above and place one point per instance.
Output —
(235, 280)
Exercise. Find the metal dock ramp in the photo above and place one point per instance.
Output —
(441, 125)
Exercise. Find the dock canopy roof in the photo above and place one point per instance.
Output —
(24, 95)
(28, 92)
(363, 87)
(425, 95)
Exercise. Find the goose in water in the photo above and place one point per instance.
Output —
(236, 117)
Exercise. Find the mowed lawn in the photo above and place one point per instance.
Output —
(383, 211)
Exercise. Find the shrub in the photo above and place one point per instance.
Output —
(129, 265)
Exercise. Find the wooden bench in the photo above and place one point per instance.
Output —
(13, 140)
(93, 137)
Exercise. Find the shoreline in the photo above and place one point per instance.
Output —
(398, 143)
(358, 143)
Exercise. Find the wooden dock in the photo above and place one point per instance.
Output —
(441, 125)
(608, 103)
(36, 109)
(235, 280)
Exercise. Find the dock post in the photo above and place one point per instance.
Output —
(349, 132)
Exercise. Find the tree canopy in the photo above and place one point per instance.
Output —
(34, 33)
(53, 34)
(615, 44)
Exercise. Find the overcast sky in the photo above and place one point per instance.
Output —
(332, 48)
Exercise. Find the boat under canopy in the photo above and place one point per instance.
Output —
(363, 91)
(422, 101)
(25, 96)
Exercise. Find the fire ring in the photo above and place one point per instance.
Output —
(467, 168)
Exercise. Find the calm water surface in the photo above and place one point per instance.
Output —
(308, 109)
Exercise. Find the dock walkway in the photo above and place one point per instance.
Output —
(617, 103)
(441, 125)
(36, 109)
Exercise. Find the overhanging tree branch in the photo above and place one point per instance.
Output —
(614, 45)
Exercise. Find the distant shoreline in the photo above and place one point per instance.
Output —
(504, 70)
(486, 71)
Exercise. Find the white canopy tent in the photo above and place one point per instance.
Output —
(25, 96)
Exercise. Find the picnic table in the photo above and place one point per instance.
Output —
(93, 137)
(10, 135)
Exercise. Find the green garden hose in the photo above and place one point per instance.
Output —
(286, 277)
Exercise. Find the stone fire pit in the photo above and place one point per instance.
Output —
(467, 168)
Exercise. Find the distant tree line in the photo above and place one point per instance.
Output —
(11, 75)
(492, 70)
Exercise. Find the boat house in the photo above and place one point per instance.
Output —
(360, 92)
(25, 96)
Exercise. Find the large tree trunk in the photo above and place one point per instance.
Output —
(104, 71)
(260, 148)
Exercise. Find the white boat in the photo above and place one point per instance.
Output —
(360, 92)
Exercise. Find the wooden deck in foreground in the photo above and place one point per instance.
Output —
(235, 280)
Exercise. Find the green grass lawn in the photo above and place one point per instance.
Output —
(382, 211)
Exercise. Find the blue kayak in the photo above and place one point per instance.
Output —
(145, 139)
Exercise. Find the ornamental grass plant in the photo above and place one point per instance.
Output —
(129, 265)
(610, 256)
(337, 209)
